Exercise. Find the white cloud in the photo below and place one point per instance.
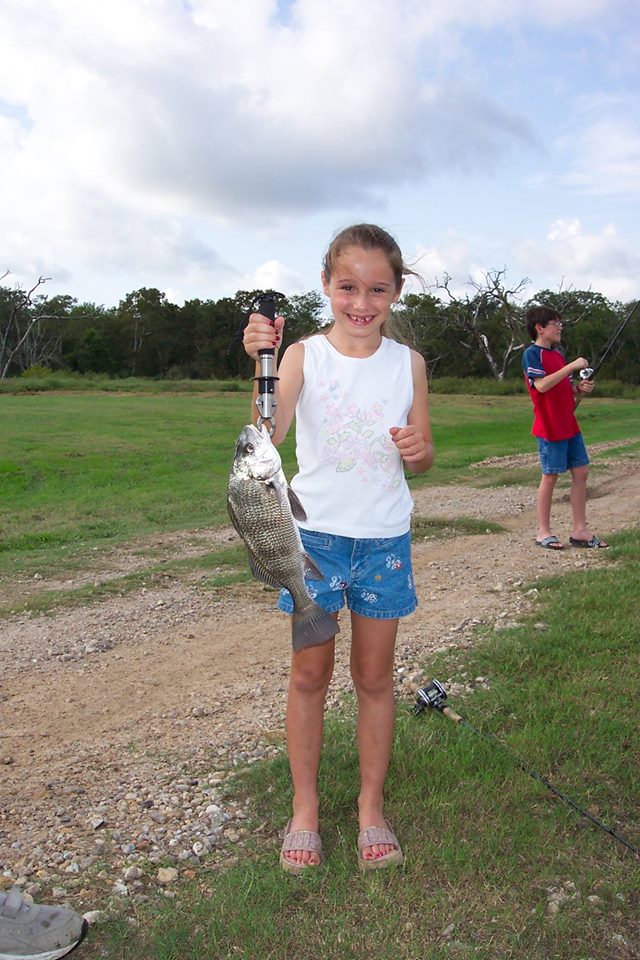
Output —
(598, 153)
(133, 134)
(274, 275)
(570, 255)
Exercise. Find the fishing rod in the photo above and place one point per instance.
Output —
(589, 372)
(266, 305)
(433, 696)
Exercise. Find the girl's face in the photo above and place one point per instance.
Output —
(361, 289)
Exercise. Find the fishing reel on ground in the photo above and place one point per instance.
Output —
(431, 697)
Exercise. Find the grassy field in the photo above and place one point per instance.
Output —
(80, 472)
(488, 847)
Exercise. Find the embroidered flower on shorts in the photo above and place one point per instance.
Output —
(393, 562)
(337, 584)
(369, 597)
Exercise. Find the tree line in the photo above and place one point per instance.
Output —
(478, 334)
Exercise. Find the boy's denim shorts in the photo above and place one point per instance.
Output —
(558, 456)
(373, 576)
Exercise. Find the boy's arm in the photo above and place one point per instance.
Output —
(542, 384)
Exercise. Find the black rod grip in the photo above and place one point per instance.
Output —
(266, 307)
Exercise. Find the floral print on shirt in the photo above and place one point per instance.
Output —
(357, 439)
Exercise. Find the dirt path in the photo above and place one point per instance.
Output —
(119, 719)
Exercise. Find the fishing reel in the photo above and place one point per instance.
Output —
(587, 373)
(431, 697)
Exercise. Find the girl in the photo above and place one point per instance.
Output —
(360, 402)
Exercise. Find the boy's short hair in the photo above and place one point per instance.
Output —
(541, 315)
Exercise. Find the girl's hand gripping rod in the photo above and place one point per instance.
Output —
(266, 400)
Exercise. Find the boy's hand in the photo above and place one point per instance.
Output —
(585, 386)
(261, 334)
(579, 363)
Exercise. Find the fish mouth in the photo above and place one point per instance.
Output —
(256, 452)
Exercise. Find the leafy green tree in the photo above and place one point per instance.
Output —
(424, 320)
(148, 323)
(303, 316)
(91, 342)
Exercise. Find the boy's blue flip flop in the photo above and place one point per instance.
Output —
(550, 543)
(594, 542)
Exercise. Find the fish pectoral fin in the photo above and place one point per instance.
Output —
(261, 573)
(311, 569)
(296, 507)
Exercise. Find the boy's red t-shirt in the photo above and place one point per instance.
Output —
(553, 411)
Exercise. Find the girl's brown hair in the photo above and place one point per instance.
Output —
(368, 236)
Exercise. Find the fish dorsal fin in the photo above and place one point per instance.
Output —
(296, 507)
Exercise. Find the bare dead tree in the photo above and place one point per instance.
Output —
(472, 316)
(19, 328)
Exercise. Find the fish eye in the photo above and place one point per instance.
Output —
(248, 448)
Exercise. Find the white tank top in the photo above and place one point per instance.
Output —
(351, 479)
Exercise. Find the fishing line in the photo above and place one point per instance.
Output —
(589, 372)
(432, 697)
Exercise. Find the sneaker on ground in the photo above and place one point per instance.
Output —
(31, 931)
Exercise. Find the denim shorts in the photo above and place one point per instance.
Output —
(558, 456)
(373, 576)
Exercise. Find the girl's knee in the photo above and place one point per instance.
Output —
(310, 681)
(372, 683)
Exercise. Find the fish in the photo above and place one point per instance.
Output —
(264, 509)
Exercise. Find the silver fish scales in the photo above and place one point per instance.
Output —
(263, 509)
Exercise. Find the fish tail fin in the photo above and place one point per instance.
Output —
(312, 627)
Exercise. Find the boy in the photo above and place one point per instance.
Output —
(560, 442)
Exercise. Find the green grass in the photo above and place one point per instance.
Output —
(89, 470)
(80, 472)
(485, 843)
(42, 380)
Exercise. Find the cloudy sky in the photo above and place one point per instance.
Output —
(206, 146)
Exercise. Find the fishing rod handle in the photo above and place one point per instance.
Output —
(266, 401)
(451, 714)
(266, 307)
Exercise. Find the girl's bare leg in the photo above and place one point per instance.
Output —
(311, 671)
(372, 650)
